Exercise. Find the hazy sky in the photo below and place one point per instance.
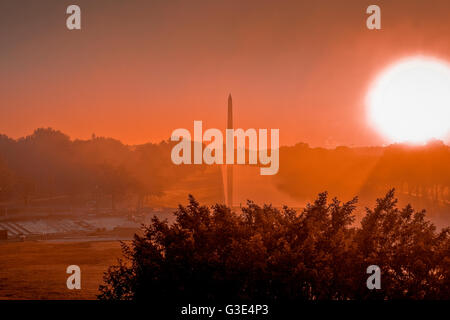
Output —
(140, 69)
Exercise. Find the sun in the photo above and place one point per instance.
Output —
(409, 102)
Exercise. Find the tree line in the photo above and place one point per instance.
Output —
(49, 165)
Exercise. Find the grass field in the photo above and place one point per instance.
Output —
(37, 270)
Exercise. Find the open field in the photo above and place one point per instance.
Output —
(37, 270)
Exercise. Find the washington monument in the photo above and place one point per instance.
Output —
(229, 196)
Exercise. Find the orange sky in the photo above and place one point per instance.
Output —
(140, 69)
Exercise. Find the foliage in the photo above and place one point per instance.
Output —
(48, 164)
(216, 254)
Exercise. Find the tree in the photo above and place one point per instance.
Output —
(215, 254)
(6, 181)
(115, 182)
(413, 257)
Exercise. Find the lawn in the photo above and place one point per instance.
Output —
(37, 270)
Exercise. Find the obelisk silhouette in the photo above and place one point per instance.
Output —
(230, 166)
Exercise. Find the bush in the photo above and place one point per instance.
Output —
(215, 254)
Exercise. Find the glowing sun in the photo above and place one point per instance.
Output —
(410, 101)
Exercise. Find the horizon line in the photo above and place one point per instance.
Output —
(94, 136)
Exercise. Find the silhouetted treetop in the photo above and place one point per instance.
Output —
(264, 253)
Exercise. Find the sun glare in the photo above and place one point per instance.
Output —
(410, 101)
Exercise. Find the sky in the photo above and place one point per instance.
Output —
(137, 70)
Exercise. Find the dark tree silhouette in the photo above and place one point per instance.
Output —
(49, 165)
(215, 254)
(6, 181)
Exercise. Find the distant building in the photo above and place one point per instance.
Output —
(3, 235)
